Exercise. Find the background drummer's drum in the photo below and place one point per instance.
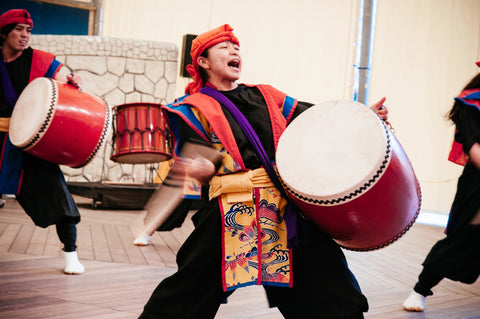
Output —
(140, 135)
(348, 173)
(57, 122)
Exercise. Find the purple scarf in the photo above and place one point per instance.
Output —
(10, 94)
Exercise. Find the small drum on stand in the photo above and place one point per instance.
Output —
(59, 123)
(348, 173)
(140, 135)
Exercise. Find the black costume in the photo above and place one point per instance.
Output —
(323, 286)
(457, 256)
(43, 192)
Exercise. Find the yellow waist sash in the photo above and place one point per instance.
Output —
(4, 124)
(238, 187)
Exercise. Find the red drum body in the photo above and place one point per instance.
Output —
(348, 173)
(57, 122)
(140, 135)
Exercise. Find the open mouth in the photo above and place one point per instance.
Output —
(234, 63)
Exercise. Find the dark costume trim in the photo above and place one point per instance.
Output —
(467, 97)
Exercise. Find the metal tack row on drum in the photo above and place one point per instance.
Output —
(59, 123)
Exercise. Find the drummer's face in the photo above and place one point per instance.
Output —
(17, 39)
(224, 62)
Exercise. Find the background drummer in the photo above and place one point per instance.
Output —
(457, 256)
(39, 186)
(231, 246)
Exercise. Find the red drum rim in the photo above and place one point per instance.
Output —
(141, 157)
(118, 106)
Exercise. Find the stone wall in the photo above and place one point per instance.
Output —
(119, 71)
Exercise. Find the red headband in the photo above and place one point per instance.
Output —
(15, 16)
(478, 63)
(202, 43)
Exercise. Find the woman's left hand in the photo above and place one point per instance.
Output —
(75, 80)
(380, 109)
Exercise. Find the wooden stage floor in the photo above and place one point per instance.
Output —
(120, 277)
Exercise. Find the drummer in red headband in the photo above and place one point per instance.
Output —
(39, 186)
(248, 233)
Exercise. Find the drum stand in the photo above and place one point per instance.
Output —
(153, 172)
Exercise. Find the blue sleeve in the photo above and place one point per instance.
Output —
(53, 68)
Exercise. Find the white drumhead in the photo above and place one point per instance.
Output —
(33, 112)
(332, 150)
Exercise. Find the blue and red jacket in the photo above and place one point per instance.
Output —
(11, 172)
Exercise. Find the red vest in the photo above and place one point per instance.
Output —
(213, 113)
(41, 62)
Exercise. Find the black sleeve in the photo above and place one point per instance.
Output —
(468, 126)
(301, 107)
(186, 133)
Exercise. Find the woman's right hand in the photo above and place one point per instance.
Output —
(198, 168)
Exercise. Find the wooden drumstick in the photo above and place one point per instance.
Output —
(164, 201)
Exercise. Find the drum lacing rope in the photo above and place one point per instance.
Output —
(361, 189)
(130, 132)
(48, 119)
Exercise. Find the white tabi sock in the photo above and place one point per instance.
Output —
(414, 302)
(142, 240)
(72, 264)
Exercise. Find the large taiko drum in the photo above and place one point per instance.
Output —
(60, 123)
(140, 134)
(348, 173)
